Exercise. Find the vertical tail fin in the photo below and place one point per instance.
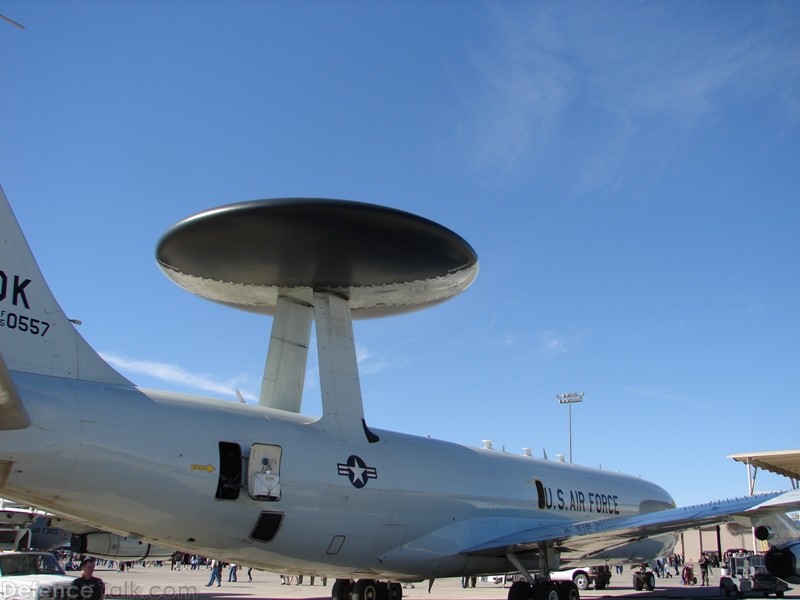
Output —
(35, 334)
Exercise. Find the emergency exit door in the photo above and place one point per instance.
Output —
(264, 472)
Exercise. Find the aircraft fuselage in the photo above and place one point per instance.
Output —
(406, 505)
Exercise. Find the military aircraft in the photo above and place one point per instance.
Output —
(266, 486)
(23, 529)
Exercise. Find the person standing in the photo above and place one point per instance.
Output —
(87, 586)
(216, 573)
(703, 562)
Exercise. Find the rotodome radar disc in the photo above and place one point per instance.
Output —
(385, 261)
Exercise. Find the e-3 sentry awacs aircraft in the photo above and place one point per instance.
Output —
(264, 485)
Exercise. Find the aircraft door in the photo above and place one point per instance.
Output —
(230, 471)
(263, 472)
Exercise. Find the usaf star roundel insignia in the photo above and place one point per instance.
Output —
(357, 471)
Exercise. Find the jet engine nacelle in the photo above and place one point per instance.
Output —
(116, 547)
(783, 562)
(762, 532)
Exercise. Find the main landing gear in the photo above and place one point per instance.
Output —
(541, 587)
(644, 579)
(366, 589)
(544, 590)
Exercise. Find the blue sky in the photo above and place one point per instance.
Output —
(628, 173)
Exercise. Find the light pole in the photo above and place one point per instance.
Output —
(570, 399)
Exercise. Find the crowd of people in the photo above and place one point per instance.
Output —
(219, 570)
(685, 569)
(92, 588)
(664, 567)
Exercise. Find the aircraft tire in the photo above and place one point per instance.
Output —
(342, 589)
(545, 590)
(637, 582)
(520, 590)
(567, 590)
(383, 590)
(365, 589)
(395, 591)
(650, 582)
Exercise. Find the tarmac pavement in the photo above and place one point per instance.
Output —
(161, 583)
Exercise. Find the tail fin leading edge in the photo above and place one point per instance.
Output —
(35, 334)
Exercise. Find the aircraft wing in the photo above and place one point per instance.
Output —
(11, 518)
(73, 527)
(598, 539)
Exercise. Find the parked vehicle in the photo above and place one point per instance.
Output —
(748, 574)
(32, 576)
(583, 577)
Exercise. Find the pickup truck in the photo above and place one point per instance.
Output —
(583, 577)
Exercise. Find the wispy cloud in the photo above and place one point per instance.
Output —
(664, 328)
(751, 310)
(488, 334)
(176, 375)
(634, 71)
(551, 344)
(661, 396)
(524, 89)
(655, 395)
(368, 364)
